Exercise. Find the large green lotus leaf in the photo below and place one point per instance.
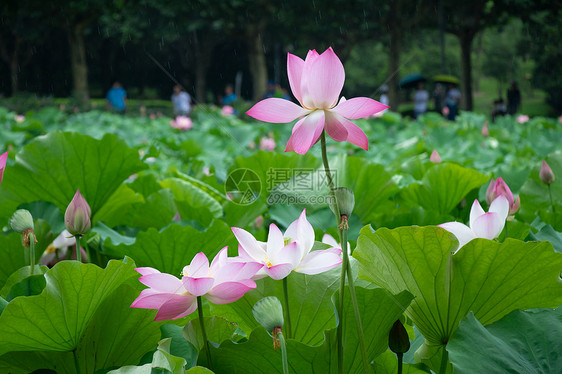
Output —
(549, 234)
(56, 319)
(157, 211)
(443, 187)
(488, 278)
(54, 166)
(218, 330)
(83, 316)
(370, 183)
(379, 309)
(521, 342)
(20, 275)
(535, 196)
(192, 202)
(172, 248)
(119, 206)
(310, 304)
(274, 168)
(12, 256)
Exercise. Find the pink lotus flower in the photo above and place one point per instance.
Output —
(223, 282)
(546, 174)
(77, 215)
(286, 252)
(485, 131)
(445, 111)
(317, 82)
(500, 188)
(182, 123)
(482, 225)
(522, 118)
(19, 118)
(227, 110)
(267, 144)
(560, 119)
(3, 159)
(435, 157)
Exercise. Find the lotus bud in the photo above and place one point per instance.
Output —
(546, 175)
(500, 188)
(21, 221)
(269, 313)
(485, 130)
(345, 200)
(3, 159)
(435, 157)
(77, 215)
(398, 340)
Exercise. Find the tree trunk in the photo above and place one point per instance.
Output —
(78, 63)
(393, 68)
(12, 59)
(14, 70)
(256, 59)
(466, 69)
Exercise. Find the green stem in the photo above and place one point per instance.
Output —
(76, 364)
(78, 251)
(203, 332)
(344, 265)
(32, 253)
(329, 177)
(287, 312)
(358, 323)
(551, 201)
(400, 356)
(283, 353)
(444, 361)
(340, 314)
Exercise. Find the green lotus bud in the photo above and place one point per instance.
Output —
(21, 221)
(398, 340)
(345, 199)
(77, 215)
(269, 313)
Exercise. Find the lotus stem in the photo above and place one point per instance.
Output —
(551, 201)
(283, 352)
(287, 312)
(31, 253)
(345, 259)
(444, 361)
(400, 357)
(358, 322)
(203, 332)
(78, 251)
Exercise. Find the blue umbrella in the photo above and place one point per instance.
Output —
(411, 80)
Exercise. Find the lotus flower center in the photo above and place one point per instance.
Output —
(286, 241)
(51, 248)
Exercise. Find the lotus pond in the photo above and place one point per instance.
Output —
(158, 205)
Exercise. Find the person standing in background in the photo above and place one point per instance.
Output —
(181, 101)
(513, 98)
(117, 97)
(452, 100)
(420, 100)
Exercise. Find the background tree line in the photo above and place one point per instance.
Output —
(78, 47)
